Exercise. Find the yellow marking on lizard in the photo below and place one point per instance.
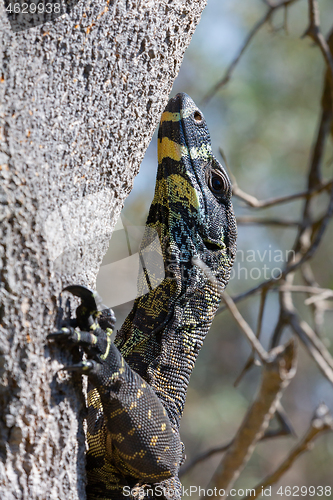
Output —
(163, 427)
(117, 412)
(179, 188)
(170, 149)
(204, 152)
(153, 441)
(167, 116)
(149, 413)
(105, 355)
(122, 369)
(139, 393)
(118, 437)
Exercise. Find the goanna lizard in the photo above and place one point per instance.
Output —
(138, 383)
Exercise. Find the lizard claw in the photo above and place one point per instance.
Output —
(84, 367)
(71, 336)
(61, 335)
(90, 299)
(91, 309)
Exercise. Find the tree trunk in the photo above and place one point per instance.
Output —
(80, 99)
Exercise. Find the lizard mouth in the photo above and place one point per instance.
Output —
(211, 245)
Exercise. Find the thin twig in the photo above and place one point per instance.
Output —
(321, 422)
(267, 221)
(306, 289)
(327, 294)
(317, 308)
(298, 259)
(202, 457)
(248, 365)
(255, 203)
(227, 75)
(251, 361)
(285, 20)
(313, 31)
(245, 327)
(253, 291)
(321, 228)
(314, 345)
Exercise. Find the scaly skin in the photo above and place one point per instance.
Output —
(139, 382)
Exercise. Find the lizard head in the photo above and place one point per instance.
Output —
(192, 206)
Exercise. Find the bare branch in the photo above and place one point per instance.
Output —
(227, 75)
(278, 370)
(306, 289)
(317, 237)
(202, 457)
(312, 342)
(244, 326)
(253, 291)
(248, 365)
(321, 422)
(255, 203)
(317, 308)
(326, 294)
(251, 361)
(314, 346)
(267, 221)
(314, 32)
(285, 20)
(298, 261)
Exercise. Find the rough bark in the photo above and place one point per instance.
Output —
(80, 98)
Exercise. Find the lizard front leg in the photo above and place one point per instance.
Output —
(141, 441)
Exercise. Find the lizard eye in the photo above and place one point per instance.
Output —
(218, 183)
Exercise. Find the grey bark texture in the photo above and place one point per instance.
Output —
(80, 98)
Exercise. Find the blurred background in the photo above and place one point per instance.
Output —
(265, 120)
